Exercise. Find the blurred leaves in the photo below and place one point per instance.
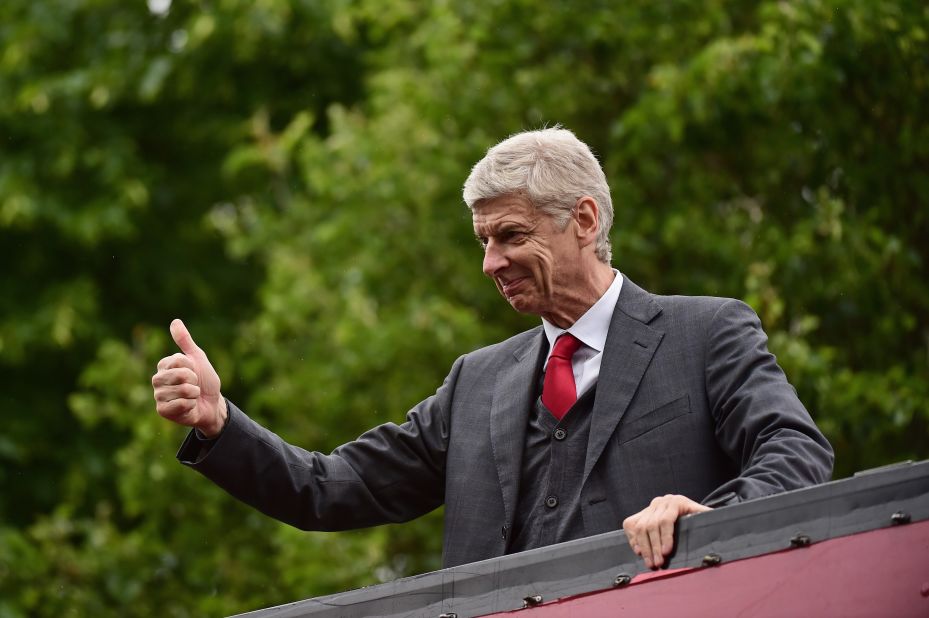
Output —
(286, 176)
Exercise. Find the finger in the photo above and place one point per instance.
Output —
(629, 527)
(644, 546)
(176, 360)
(636, 530)
(689, 506)
(641, 536)
(654, 542)
(170, 377)
(184, 341)
(666, 533)
(179, 410)
(180, 391)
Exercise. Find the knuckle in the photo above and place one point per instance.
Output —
(189, 391)
(175, 376)
(177, 360)
(175, 409)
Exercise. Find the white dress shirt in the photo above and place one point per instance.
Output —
(591, 329)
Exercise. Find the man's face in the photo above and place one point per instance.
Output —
(531, 261)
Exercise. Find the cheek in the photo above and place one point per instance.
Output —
(539, 255)
(544, 265)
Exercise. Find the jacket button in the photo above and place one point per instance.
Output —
(560, 434)
(551, 502)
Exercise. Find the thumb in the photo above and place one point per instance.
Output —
(184, 341)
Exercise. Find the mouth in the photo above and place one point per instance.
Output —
(512, 286)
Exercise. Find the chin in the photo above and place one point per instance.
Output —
(521, 305)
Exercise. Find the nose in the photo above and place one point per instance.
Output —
(494, 259)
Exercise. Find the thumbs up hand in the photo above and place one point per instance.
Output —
(187, 388)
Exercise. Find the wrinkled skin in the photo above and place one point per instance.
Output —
(650, 532)
(187, 388)
(539, 268)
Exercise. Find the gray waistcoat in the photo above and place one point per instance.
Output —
(549, 510)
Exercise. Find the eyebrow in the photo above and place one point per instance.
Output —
(509, 226)
(505, 228)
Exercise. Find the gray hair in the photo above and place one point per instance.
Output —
(552, 169)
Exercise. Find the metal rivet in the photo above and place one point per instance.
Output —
(712, 560)
(622, 579)
(900, 518)
(800, 540)
(532, 601)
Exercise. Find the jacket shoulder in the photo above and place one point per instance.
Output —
(700, 308)
(517, 346)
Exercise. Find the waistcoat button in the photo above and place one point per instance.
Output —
(551, 502)
(560, 434)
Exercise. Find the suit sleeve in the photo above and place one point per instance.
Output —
(760, 422)
(390, 474)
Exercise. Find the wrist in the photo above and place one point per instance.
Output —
(219, 422)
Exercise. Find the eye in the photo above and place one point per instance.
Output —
(514, 236)
(482, 241)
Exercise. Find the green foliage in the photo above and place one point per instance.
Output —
(286, 176)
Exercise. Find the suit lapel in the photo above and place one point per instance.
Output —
(630, 346)
(509, 415)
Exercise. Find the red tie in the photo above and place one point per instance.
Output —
(558, 390)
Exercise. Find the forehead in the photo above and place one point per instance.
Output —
(507, 209)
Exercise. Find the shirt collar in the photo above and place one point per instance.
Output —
(592, 327)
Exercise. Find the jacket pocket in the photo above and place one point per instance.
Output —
(650, 421)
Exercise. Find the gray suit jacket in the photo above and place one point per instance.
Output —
(689, 401)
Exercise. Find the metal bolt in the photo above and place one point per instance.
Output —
(899, 518)
(712, 560)
(622, 579)
(532, 601)
(800, 540)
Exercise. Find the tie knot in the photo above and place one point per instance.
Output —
(565, 346)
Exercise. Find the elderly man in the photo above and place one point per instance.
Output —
(623, 407)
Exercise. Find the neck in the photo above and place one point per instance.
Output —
(592, 283)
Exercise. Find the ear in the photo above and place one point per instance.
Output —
(587, 220)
